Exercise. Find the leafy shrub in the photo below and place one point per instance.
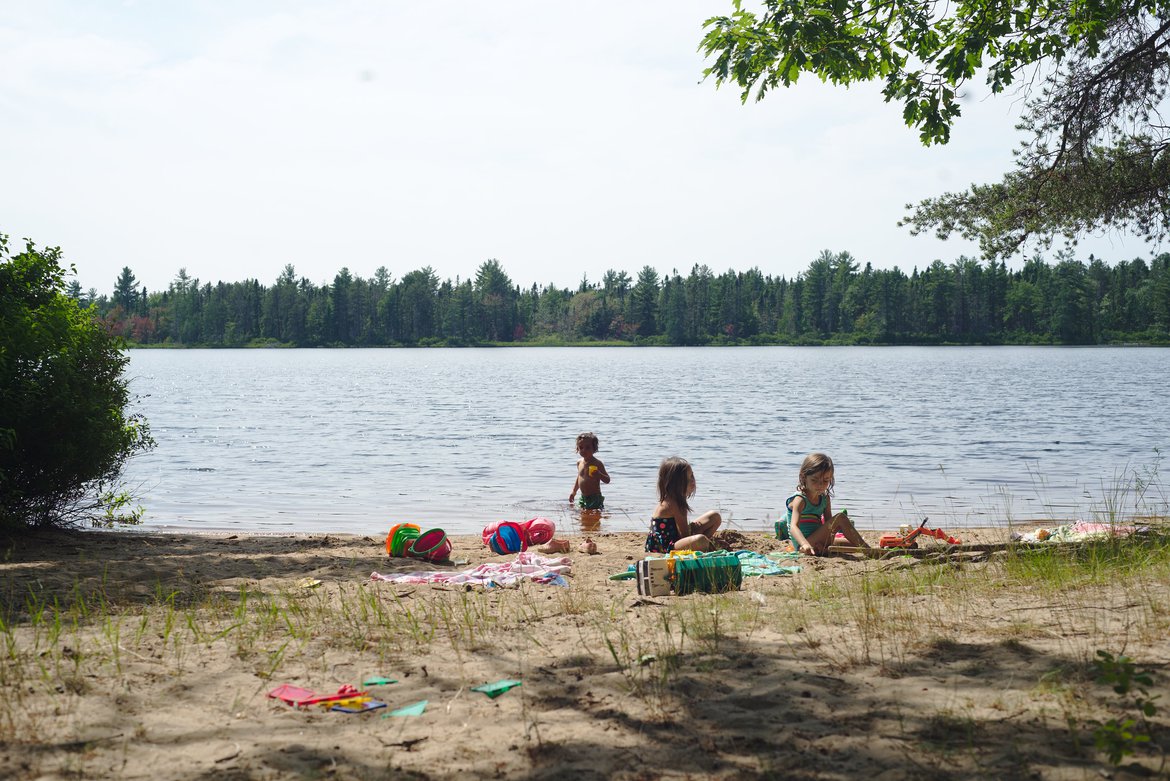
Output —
(1119, 737)
(64, 431)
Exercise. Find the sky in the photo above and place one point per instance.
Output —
(231, 139)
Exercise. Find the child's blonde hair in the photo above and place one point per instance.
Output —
(591, 438)
(674, 480)
(815, 463)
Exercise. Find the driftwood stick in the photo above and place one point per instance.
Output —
(933, 550)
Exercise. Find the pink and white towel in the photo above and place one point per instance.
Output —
(1077, 532)
(526, 566)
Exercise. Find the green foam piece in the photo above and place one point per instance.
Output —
(494, 690)
(378, 680)
(410, 710)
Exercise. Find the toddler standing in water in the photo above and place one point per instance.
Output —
(811, 522)
(669, 529)
(590, 473)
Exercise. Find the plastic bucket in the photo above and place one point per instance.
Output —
(508, 538)
(538, 531)
(431, 545)
(489, 530)
(400, 536)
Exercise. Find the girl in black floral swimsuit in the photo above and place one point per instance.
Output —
(669, 529)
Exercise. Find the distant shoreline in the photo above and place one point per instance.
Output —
(493, 345)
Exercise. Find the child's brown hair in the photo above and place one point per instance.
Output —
(674, 480)
(591, 438)
(814, 463)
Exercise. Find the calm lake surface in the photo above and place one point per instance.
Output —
(300, 441)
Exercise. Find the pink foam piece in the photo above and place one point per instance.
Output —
(539, 530)
(291, 694)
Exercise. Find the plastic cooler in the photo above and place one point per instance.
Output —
(653, 577)
(687, 571)
(713, 572)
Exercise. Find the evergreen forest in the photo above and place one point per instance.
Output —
(835, 301)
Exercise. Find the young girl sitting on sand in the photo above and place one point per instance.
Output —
(810, 514)
(669, 529)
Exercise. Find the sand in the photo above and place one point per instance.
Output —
(165, 672)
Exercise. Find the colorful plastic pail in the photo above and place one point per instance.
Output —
(489, 530)
(431, 545)
(507, 538)
(400, 537)
(539, 531)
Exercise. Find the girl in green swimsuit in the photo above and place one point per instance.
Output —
(810, 513)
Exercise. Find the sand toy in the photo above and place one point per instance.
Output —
(509, 537)
(407, 540)
(909, 540)
(683, 572)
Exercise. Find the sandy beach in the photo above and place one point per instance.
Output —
(131, 655)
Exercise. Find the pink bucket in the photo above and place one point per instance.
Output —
(431, 545)
(489, 530)
(539, 531)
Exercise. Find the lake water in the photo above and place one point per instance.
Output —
(295, 441)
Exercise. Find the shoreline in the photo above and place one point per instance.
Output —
(132, 651)
(577, 528)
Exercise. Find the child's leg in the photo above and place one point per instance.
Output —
(706, 524)
(697, 542)
(842, 524)
(821, 538)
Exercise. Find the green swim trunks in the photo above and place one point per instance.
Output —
(591, 502)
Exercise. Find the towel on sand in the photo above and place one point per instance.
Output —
(1076, 532)
(758, 564)
(526, 566)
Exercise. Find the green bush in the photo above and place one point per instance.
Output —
(1120, 737)
(64, 430)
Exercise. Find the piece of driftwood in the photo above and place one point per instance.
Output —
(931, 550)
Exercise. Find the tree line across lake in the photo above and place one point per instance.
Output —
(834, 301)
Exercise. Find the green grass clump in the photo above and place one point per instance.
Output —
(1103, 561)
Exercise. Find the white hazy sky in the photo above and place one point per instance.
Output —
(231, 138)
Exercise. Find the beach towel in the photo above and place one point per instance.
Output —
(1077, 532)
(526, 566)
(758, 564)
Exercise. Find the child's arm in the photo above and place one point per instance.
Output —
(601, 473)
(802, 543)
(680, 522)
(576, 483)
